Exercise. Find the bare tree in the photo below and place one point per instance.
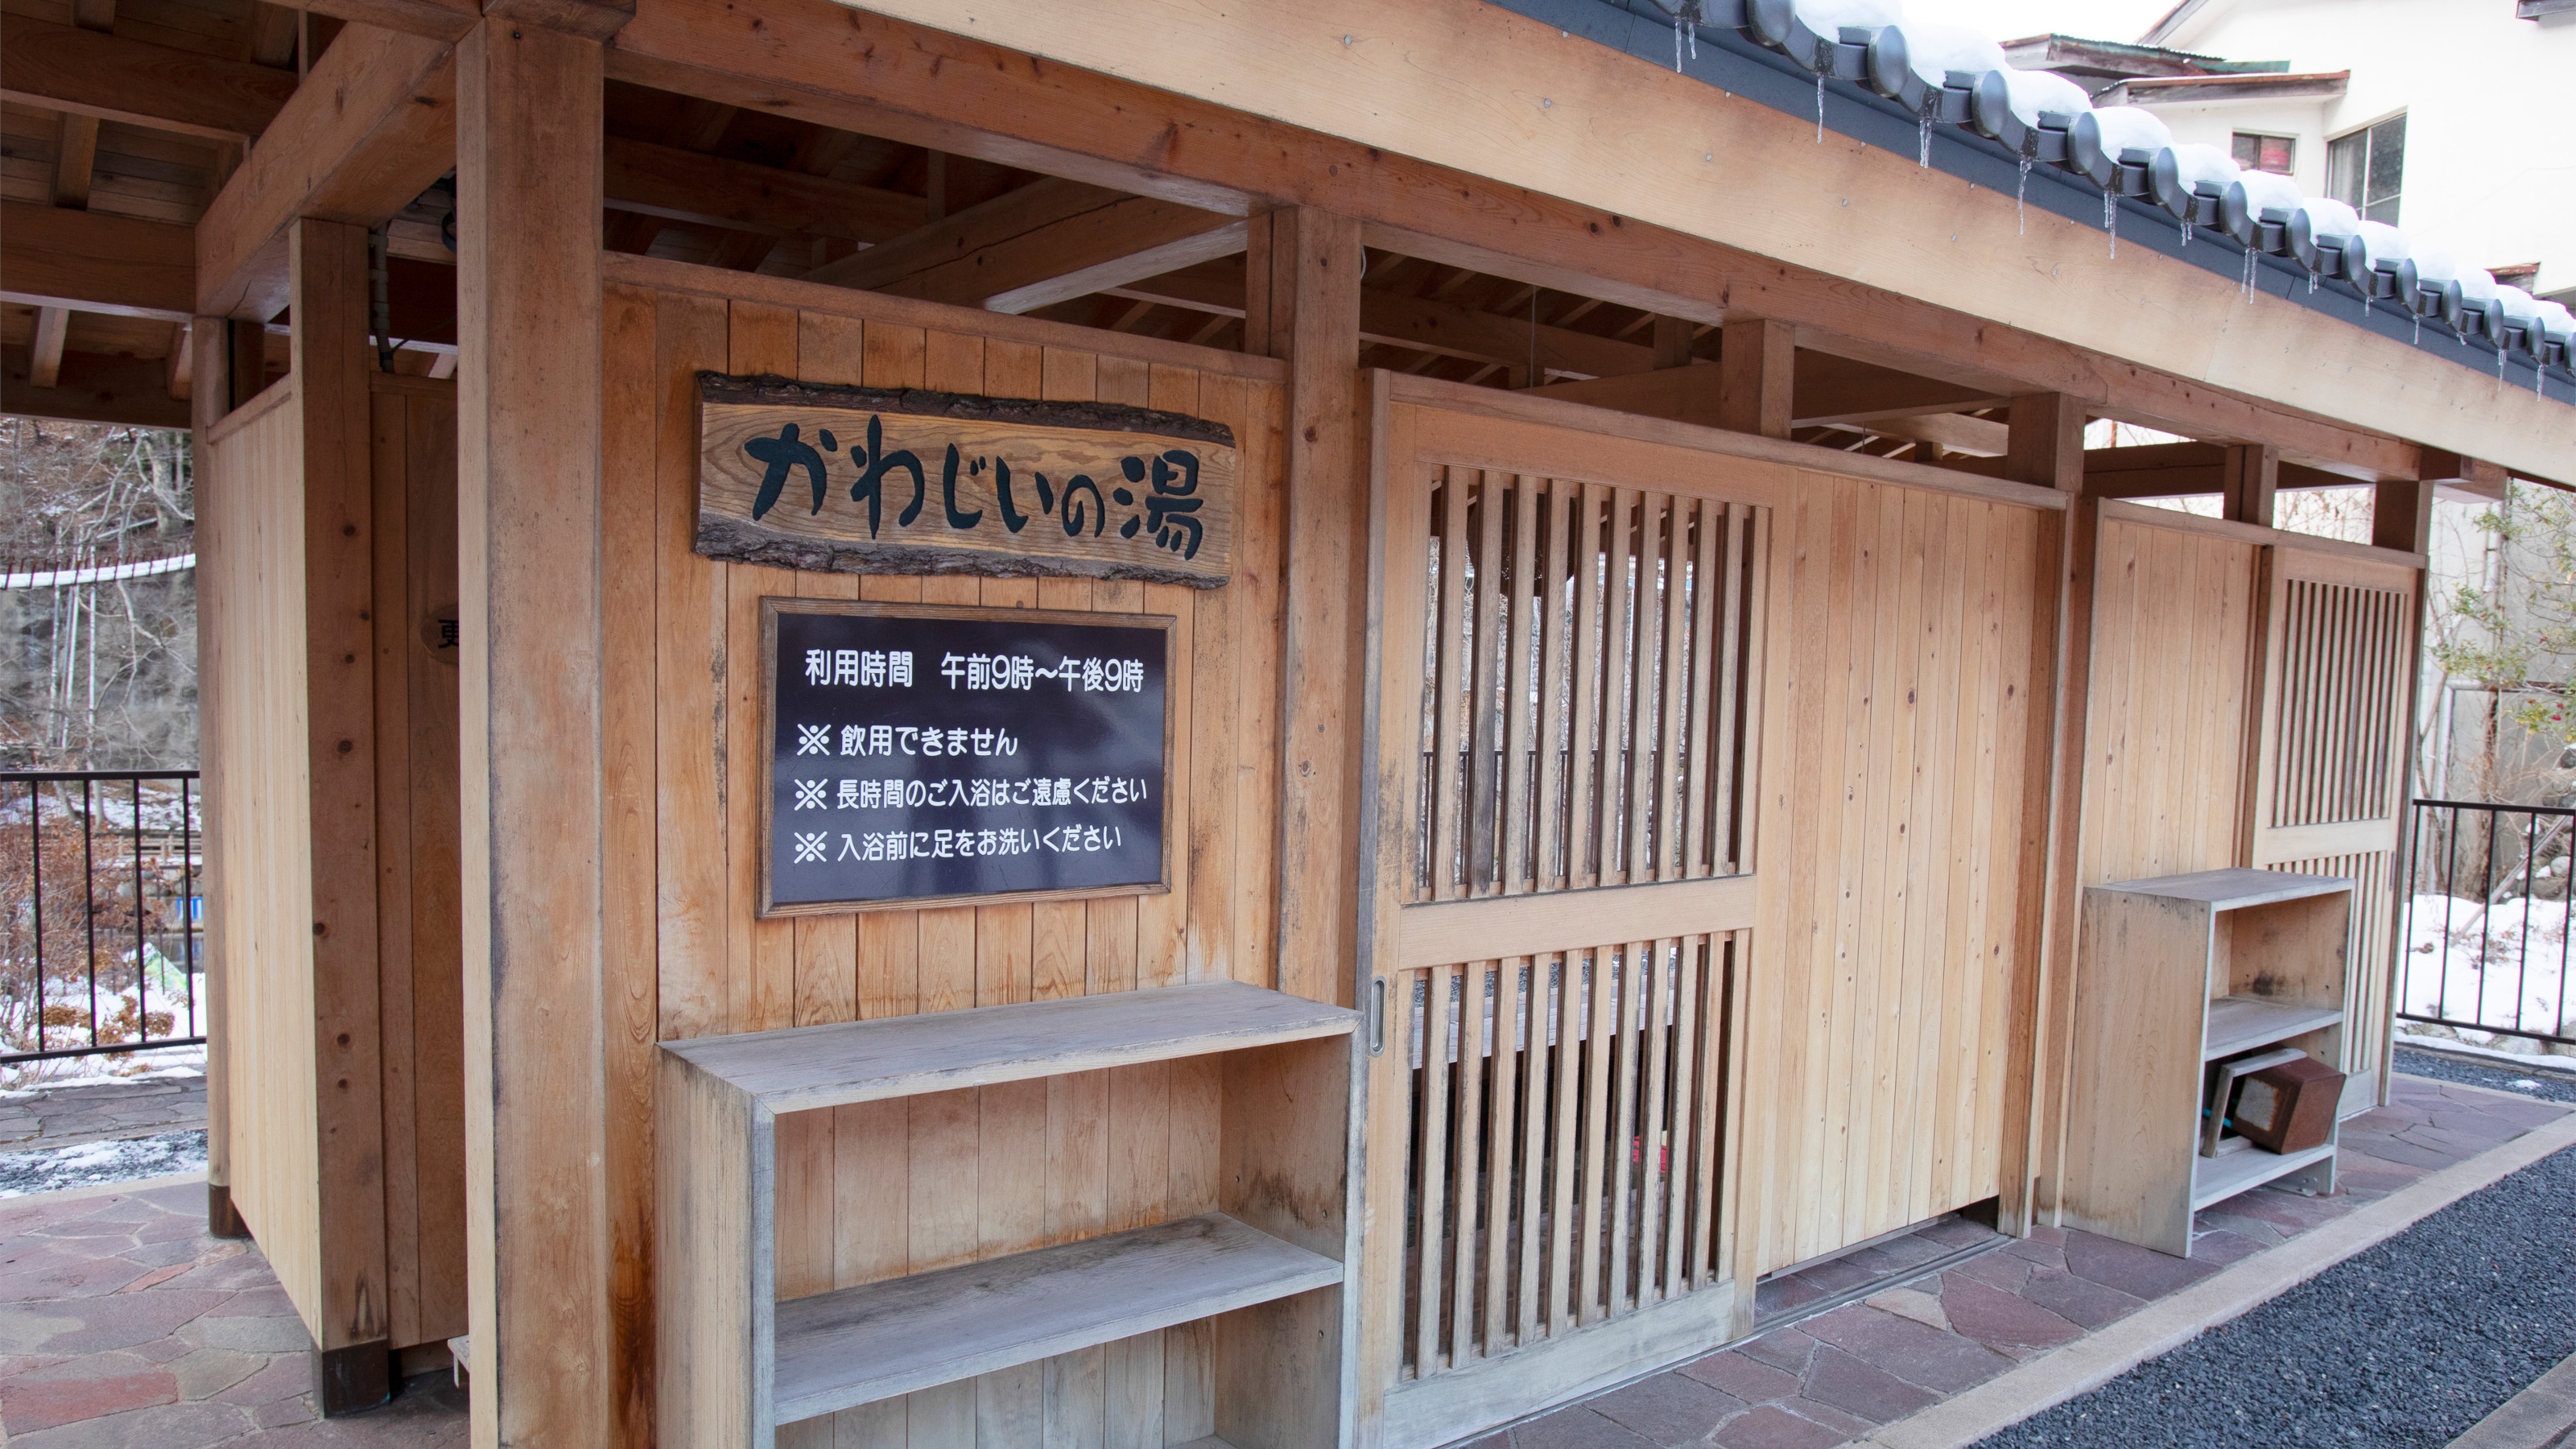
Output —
(98, 674)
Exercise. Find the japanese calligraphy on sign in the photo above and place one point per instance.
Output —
(871, 480)
(920, 754)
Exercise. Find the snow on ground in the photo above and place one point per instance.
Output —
(2504, 966)
(86, 1164)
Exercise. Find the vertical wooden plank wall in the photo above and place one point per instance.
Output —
(251, 483)
(2168, 738)
(1894, 789)
(884, 1189)
(418, 904)
(2173, 662)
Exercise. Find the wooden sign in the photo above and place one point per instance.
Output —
(870, 480)
(921, 754)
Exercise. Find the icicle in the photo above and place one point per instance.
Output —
(1923, 141)
(1820, 108)
(2186, 231)
(2419, 329)
(2249, 274)
(2111, 218)
(2019, 186)
(1679, 28)
(2312, 282)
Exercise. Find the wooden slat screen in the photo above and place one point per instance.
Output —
(1583, 709)
(1564, 1150)
(2342, 682)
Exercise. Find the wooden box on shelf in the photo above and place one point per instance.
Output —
(1266, 1267)
(2176, 973)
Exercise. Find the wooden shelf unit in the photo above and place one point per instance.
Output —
(2176, 973)
(1266, 1267)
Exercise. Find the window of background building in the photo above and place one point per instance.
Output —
(2367, 169)
(2264, 153)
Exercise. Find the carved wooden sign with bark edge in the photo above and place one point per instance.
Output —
(908, 481)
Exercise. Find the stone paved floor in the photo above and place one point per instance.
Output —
(96, 1111)
(1820, 1381)
(122, 1324)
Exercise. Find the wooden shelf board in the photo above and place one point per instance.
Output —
(2216, 1179)
(860, 1061)
(2242, 1023)
(859, 1345)
(2226, 890)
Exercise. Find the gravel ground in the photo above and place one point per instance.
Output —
(2404, 1346)
(2549, 1084)
(88, 1163)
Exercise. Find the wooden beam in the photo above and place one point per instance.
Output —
(369, 131)
(2475, 476)
(1044, 243)
(2401, 515)
(1757, 365)
(274, 30)
(91, 388)
(137, 83)
(1302, 303)
(179, 367)
(75, 158)
(441, 20)
(690, 186)
(45, 352)
(2249, 478)
(528, 119)
(52, 256)
(1624, 140)
(1952, 433)
(2175, 470)
(1421, 324)
(328, 264)
(1835, 389)
(2046, 445)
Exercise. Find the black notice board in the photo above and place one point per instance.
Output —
(919, 754)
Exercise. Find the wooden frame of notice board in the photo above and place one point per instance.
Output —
(772, 607)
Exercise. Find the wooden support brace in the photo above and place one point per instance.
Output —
(2046, 447)
(45, 354)
(2401, 515)
(1673, 340)
(529, 329)
(210, 398)
(2046, 444)
(1757, 360)
(1302, 303)
(2249, 481)
(328, 262)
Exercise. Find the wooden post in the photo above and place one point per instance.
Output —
(2401, 514)
(1673, 341)
(327, 268)
(528, 504)
(2046, 447)
(246, 353)
(2250, 478)
(1757, 361)
(1302, 303)
(210, 397)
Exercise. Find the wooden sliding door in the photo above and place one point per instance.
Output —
(1568, 648)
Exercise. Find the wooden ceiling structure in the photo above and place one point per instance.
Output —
(122, 120)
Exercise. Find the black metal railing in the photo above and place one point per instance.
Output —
(2486, 922)
(100, 913)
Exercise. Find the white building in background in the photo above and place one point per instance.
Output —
(2447, 117)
